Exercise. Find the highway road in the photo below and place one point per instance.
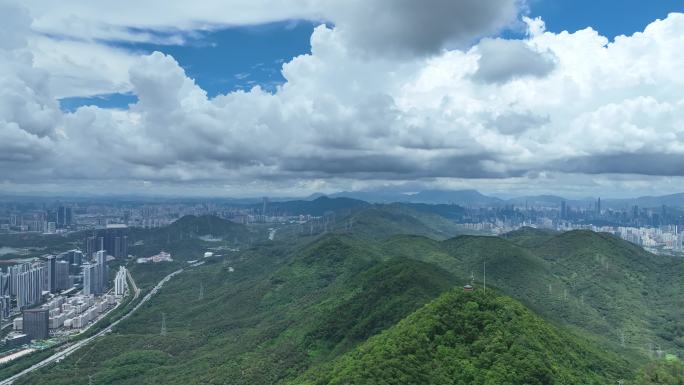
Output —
(72, 348)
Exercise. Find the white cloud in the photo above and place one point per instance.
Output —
(571, 103)
(79, 68)
(504, 60)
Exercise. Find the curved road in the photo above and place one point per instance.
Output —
(69, 350)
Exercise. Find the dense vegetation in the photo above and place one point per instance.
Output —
(669, 372)
(268, 320)
(382, 221)
(469, 339)
(596, 283)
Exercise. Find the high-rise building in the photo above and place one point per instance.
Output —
(90, 279)
(89, 246)
(5, 284)
(564, 210)
(36, 324)
(101, 259)
(64, 217)
(30, 286)
(5, 306)
(14, 272)
(76, 258)
(52, 273)
(62, 275)
(42, 277)
(120, 282)
(115, 242)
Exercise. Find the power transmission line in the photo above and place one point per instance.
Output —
(484, 276)
(163, 325)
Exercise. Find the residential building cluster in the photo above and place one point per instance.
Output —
(61, 313)
(163, 256)
(46, 292)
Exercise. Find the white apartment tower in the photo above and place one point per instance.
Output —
(120, 282)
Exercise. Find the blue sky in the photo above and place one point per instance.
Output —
(224, 60)
(609, 17)
(242, 57)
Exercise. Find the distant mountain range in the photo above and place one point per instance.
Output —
(465, 198)
(473, 198)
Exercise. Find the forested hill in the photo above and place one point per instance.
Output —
(190, 236)
(472, 338)
(350, 304)
(595, 282)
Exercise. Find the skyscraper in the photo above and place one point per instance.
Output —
(115, 242)
(5, 306)
(120, 282)
(64, 217)
(563, 210)
(101, 260)
(90, 279)
(62, 275)
(90, 246)
(30, 286)
(14, 272)
(5, 284)
(36, 324)
(52, 273)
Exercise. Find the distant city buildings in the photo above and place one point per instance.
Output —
(64, 217)
(112, 240)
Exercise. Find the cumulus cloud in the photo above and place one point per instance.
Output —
(29, 115)
(406, 27)
(377, 25)
(512, 111)
(516, 123)
(504, 60)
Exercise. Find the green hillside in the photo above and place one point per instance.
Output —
(593, 282)
(383, 221)
(297, 308)
(529, 237)
(266, 322)
(472, 338)
(190, 236)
